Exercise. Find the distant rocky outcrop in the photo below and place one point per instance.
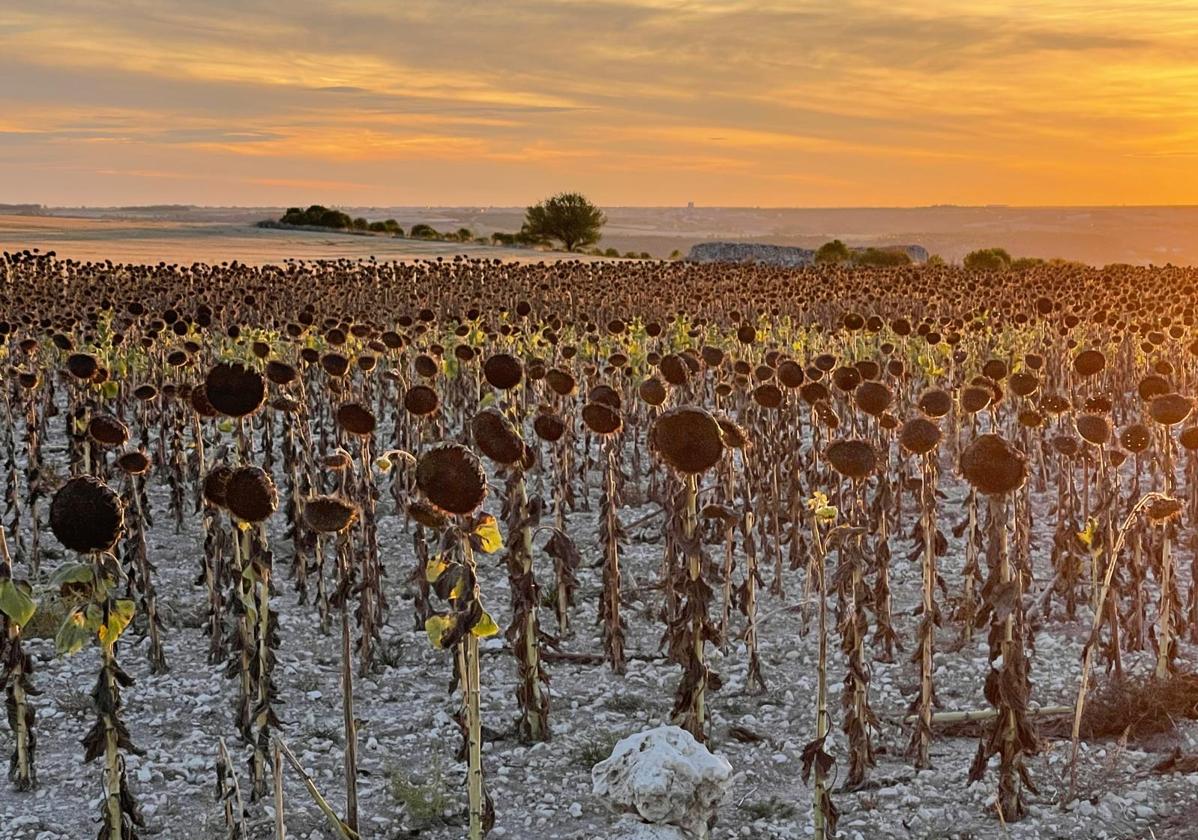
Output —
(784, 255)
(22, 210)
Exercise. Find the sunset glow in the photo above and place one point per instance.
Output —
(635, 102)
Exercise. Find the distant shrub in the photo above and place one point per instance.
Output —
(832, 253)
(881, 257)
(317, 216)
(988, 259)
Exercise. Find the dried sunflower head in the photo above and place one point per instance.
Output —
(86, 515)
(329, 514)
(688, 439)
(234, 390)
(1162, 509)
(993, 466)
(852, 458)
(250, 494)
(452, 478)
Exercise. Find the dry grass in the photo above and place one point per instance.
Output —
(1139, 707)
(1132, 708)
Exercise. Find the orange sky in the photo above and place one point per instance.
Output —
(650, 102)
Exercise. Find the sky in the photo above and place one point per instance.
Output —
(633, 102)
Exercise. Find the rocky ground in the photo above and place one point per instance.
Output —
(412, 787)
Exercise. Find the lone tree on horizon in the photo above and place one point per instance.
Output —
(568, 217)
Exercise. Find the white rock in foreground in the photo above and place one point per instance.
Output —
(665, 777)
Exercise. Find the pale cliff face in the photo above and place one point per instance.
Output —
(738, 252)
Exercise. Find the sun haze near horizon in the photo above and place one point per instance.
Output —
(635, 102)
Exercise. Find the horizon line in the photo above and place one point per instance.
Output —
(695, 206)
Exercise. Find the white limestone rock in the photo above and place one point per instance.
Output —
(665, 777)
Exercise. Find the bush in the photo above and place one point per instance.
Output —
(833, 253)
(317, 216)
(425, 801)
(335, 219)
(881, 258)
(527, 239)
(988, 259)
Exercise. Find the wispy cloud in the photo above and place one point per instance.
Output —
(786, 102)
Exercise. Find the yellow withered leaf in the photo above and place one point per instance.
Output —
(487, 531)
(436, 626)
(485, 627)
(435, 568)
(1087, 536)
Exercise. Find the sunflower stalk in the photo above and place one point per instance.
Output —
(925, 701)
(610, 533)
(524, 633)
(1007, 685)
(452, 478)
(148, 595)
(344, 567)
(817, 761)
(853, 600)
(692, 626)
(1096, 549)
(17, 607)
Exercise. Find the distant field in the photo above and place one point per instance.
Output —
(153, 241)
(1094, 235)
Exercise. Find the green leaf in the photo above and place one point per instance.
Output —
(826, 513)
(110, 389)
(16, 602)
(486, 529)
(436, 626)
(72, 573)
(73, 634)
(485, 626)
(119, 616)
